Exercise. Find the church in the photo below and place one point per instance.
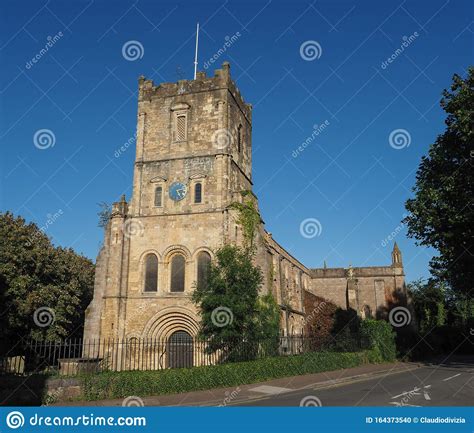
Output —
(193, 160)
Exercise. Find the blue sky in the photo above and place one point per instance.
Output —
(300, 63)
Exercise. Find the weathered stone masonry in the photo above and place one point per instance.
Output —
(188, 133)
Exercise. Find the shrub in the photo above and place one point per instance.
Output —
(122, 384)
(378, 336)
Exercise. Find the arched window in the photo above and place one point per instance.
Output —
(158, 196)
(151, 273)
(203, 264)
(177, 273)
(198, 192)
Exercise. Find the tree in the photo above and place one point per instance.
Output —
(442, 211)
(429, 303)
(104, 214)
(44, 289)
(232, 313)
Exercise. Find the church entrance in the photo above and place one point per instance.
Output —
(180, 350)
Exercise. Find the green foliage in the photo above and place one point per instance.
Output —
(442, 211)
(104, 214)
(443, 321)
(267, 324)
(161, 382)
(428, 303)
(249, 218)
(229, 298)
(380, 338)
(33, 275)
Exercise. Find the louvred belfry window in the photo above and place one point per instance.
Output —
(181, 127)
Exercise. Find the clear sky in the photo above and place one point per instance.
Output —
(300, 64)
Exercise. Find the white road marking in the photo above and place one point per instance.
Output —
(405, 404)
(267, 389)
(452, 377)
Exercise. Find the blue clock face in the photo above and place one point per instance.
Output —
(178, 191)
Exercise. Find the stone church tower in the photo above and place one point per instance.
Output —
(193, 160)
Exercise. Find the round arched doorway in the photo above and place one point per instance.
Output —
(180, 350)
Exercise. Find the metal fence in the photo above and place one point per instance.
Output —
(75, 356)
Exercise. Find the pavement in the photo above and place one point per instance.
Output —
(441, 382)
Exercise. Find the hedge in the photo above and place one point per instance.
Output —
(379, 336)
(108, 385)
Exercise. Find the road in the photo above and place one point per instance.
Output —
(431, 385)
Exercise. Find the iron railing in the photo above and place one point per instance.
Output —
(75, 356)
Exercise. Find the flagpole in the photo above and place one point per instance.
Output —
(196, 54)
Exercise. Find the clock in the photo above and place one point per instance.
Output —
(178, 191)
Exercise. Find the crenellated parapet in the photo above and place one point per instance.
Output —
(147, 90)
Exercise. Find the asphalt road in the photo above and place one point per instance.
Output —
(431, 385)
